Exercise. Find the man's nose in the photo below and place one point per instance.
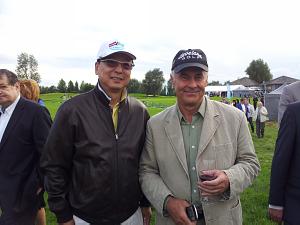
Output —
(193, 82)
(119, 68)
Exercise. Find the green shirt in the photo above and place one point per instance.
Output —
(191, 135)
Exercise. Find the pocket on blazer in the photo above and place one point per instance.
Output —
(236, 213)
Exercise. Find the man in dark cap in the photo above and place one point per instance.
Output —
(196, 137)
(92, 154)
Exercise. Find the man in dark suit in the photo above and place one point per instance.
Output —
(284, 200)
(24, 127)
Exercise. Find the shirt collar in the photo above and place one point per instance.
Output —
(124, 93)
(12, 106)
(201, 110)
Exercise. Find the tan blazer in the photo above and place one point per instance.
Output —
(225, 140)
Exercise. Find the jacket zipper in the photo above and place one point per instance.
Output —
(116, 174)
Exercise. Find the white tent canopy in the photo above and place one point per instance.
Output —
(224, 88)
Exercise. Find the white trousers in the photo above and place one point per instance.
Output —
(135, 219)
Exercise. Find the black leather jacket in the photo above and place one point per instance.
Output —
(91, 170)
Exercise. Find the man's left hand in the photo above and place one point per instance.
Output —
(216, 186)
(146, 212)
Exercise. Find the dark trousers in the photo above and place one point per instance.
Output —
(26, 217)
(251, 124)
(260, 129)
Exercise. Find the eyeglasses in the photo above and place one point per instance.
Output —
(115, 63)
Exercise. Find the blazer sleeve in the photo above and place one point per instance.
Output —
(285, 99)
(42, 123)
(283, 154)
(41, 127)
(246, 166)
(151, 182)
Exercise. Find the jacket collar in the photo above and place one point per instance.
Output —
(104, 97)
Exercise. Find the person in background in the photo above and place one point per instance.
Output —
(24, 128)
(284, 197)
(290, 94)
(92, 153)
(255, 100)
(233, 103)
(240, 105)
(250, 113)
(261, 116)
(224, 101)
(197, 136)
(262, 99)
(41, 102)
(29, 89)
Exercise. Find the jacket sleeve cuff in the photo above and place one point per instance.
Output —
(165, 211)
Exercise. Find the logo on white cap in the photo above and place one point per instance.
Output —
(116, 46)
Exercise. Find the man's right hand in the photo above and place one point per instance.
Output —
(70, 222)
(176, 209)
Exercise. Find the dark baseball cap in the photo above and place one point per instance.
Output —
(189, 58)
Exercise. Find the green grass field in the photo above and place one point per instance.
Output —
(254, 199)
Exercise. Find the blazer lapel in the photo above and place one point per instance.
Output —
(210, 124)
(174, 134)
(12, 121)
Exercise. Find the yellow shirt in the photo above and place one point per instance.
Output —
(115, 109)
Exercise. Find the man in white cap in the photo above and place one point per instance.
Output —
(92, 154)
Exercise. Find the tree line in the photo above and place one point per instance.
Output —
(67, 88)
(152, 84)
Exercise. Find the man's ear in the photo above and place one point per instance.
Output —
(17, 85)
(172, 79)
(206, 80)
(96, 67)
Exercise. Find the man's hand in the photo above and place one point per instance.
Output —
(146, 212)
(176, 209)
(216, 186)
(70, 222)
(276, 215)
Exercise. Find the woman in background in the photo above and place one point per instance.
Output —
(29, 89)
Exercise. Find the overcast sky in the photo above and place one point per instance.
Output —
(65, 35)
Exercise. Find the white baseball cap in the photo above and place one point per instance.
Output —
(111, 47)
